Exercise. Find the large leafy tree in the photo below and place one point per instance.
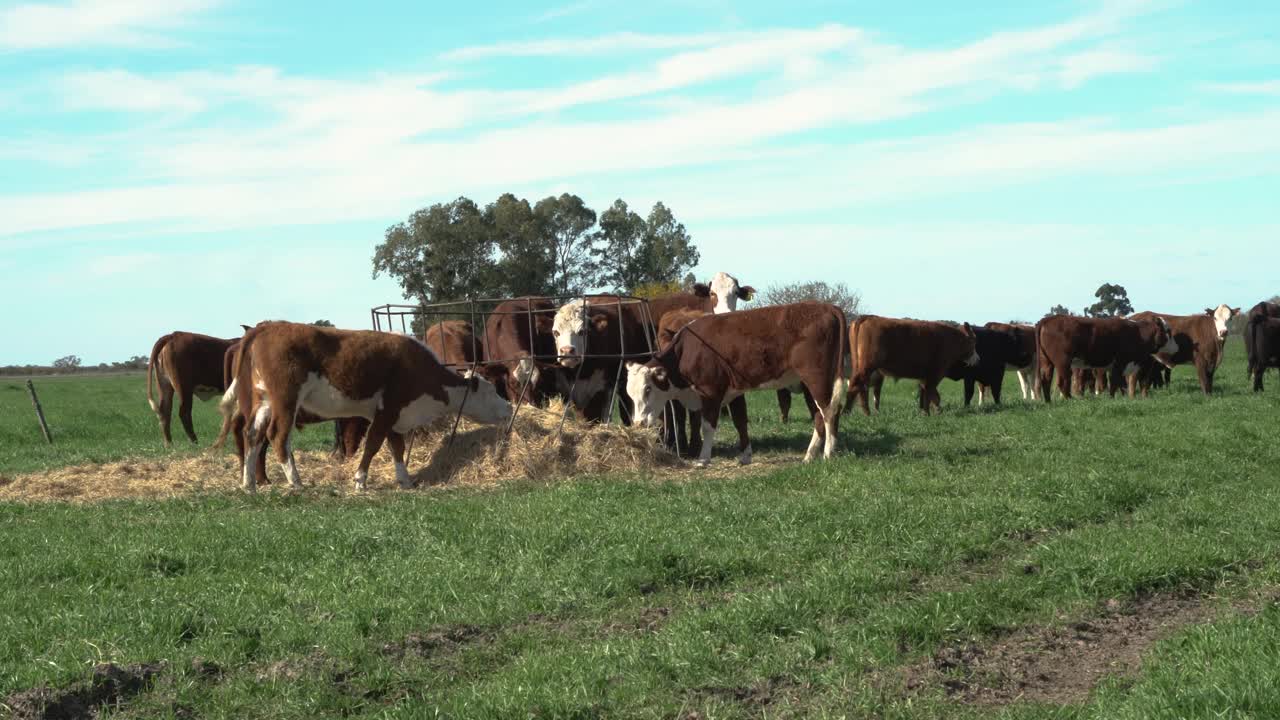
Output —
(566, 224)
(1059, 310)
(1113, 301)
(527, 264)
(442, 253)
(632, 252)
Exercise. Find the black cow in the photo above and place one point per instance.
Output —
(1262, 337)
(996, 348)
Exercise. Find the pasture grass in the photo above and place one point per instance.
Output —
(797, 591)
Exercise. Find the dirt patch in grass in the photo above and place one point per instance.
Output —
(436, 641)
(110, 686)
(755, 697)
(649, 621)
(1060, 664)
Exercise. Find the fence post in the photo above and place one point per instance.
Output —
(44, 427)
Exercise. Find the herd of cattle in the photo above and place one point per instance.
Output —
(680, 357)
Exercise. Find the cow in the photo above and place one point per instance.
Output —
(518, 340)
(671, 324)
(718, 358)
(594, 336)
(1200, 341)
(996, 349)
(1096, 379)
(1262, 335)
(1064, 342)
(184, 364)
(1264, 309)
(1026, 335)
(393, 381)
(897, 348)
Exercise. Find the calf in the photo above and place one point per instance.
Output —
(186, 364)
(1064, 342)
(1262, 336)
(720, 357)
(671, 324)
(595, 335)
(1263, 310)
(517, 333)
(1024, 365)
(918, 349)
(1200, 340)
(393, 381)
(996, 348)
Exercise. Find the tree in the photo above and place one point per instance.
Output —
(838, 294)
(1059, 310)
(631, 252)
(565, 223)
(442, 253)
(1113, 301)
(527, 263)
(69, 362)
(322, 323)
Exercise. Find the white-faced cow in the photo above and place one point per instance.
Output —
(1064, 342)
(717, 358)
(897, 348)
(516, 333)
(393, 381)
(184, 364)
(1201, 339)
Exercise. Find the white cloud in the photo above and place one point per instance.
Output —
(603, 44)
(105, 23)
(1081, 67)
(1268, 88)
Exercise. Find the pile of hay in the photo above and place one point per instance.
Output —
(478, 456)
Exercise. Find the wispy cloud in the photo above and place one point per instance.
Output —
(96, 23)
(1267, 87)
(1081, 67)
(614, 43)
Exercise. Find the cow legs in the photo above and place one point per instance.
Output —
(164, 410)
(859, 388)
(185, 400)
(695, 433)
(1046, 380)
(738, 411)
(968, 392)
(255, 438)
(877, 383)
(931, 397)
(281, 434)
(1064, 382)
(372, 444)
(1206, 379)
(396, 442)
(784, 404)
(1026, 383)
(710, 419)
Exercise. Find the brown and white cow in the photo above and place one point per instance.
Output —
(671, 324)
(393, 381)
(897, 348)
(1123, 346)
(1264, 309)
(184, 364)
(516, 333)
(717, 358)
(1200, 339)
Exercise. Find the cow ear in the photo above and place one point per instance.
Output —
(633, 366)
(660, 374)
(1208, 311)
(746, 293)
(246, 327)
(968, 329)
(600, 322)
(702, 290)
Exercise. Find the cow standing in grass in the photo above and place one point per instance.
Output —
(1122, 346)
(718, 358)
(1264, 310)
(1200, 341)
(187, 365)
(917, 349)
(393, 381)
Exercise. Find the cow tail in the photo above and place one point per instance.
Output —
(840, 386)
(227, 405)
(856, 385)
(151, 369)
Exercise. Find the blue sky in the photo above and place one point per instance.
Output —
(197, 164)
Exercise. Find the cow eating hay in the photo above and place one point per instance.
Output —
(476, 458)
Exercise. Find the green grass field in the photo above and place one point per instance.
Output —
(919, 578)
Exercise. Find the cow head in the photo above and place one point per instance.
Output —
(1162, 339)
(727, 292)
(569, 330)
(483, 403)
(1222, 318)
(650, 389)
(972, 358)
